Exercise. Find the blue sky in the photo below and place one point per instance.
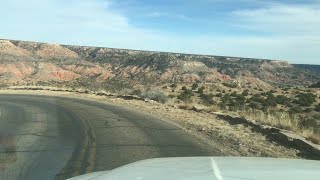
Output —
(284, 30)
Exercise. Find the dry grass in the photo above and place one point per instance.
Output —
(209, 109)
(311, 135)
(184, 106)
(281, 120)
(213, 108)
(315, 138)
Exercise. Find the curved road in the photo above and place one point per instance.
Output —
(56, 138)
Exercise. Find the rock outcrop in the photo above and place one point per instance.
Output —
(30, 63)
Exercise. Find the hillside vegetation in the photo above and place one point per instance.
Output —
(30, 63)
(271, 92)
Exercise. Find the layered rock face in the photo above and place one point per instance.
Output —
(30, 63)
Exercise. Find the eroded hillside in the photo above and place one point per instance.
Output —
(30, 63)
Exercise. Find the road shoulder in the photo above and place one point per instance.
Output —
(231, 139)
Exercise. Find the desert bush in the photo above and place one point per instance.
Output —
(257, 98)
(308, 110)
(317, 108)
(286, 89)
(137, 92)
(207, 99)
(316, 116)
(230, 85)
(233, 108)
(296, 109)
(200, 90)
(308, 123)
(194, 86)
(281, 99)
(222, 105)
(240, 100)
(184, 96)
(173, 85)
(272, 91)
(187, 91)
(263, 94)
(270, 101)
(255, 105)
(171, 96)
(183, 106)
(208, 96)
(226, 99)
(156, 96)
(184, 88)
(234, 94)
(305, 99)
(245, 92)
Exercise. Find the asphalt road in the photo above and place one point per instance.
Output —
(56, 138)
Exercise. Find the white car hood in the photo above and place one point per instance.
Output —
(212, 168)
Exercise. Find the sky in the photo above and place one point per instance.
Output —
(281, 30)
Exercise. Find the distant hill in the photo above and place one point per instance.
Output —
(309, 67)
(32, 63)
